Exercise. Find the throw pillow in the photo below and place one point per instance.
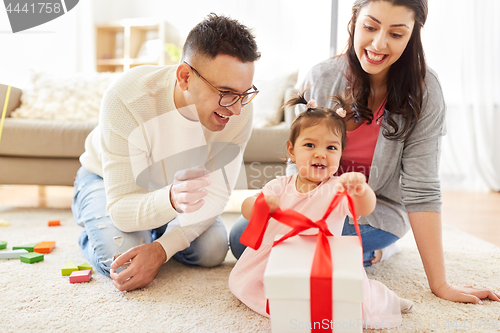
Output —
(267, 104)
(76, 97)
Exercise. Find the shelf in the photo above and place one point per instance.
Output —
(129, 43)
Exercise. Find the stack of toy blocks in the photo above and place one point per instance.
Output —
(14, 254)
(77, 274)
(28, 253)
(80, 276)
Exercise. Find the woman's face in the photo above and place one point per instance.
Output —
(381, 34)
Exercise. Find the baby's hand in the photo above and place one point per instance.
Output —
(273, 202)
(353, 182)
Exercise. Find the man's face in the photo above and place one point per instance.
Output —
(227, 74)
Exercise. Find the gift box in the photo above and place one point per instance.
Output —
(287, 285)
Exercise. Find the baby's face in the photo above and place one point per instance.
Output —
(317, 153)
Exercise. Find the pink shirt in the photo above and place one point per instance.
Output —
(358, 155)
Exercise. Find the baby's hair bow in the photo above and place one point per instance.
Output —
(341, 112)
(311, 104)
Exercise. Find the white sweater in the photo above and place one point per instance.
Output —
(142, 140)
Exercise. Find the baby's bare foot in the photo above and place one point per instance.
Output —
(406, 305)
(386, 252)
(377, 257)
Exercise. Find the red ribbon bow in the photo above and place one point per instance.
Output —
(321, 272)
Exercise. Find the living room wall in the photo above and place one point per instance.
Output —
(291, 34)
(60, 46)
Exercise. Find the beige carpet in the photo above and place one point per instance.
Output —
(188, 299)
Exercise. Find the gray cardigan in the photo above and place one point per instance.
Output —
(404, 175)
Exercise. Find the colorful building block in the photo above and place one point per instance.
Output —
(69, 268)
(44, 247)
(85, 266)
(3, 245)
(14, 254)
(54, 223)
(31, 258)
(80, 276)
(27, 247)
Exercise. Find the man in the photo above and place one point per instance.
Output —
(158, 169)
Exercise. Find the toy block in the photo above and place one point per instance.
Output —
(80, 276)
(14, 254)
(31, 258)
(27, 247)
(44, 247)
(85, 266)
(4, 223)
(54, 223)
(3, 245)
(69, 268)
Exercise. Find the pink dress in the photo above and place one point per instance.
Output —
(246, 279)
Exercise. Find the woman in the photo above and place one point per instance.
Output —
(395, 124)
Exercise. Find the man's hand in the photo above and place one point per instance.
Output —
(145, 262)
(187, 192)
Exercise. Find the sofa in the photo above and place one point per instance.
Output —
(36, 151)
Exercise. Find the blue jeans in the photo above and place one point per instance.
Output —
(373, 238)
(101, 240)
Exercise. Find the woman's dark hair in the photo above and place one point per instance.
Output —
(405, 82)
(221, 35)
(318, 115)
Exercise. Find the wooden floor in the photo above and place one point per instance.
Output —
(473, 212)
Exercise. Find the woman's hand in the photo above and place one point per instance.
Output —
(273, 202)
(427, 230)
(465, 294)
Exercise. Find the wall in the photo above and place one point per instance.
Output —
(60, 46)
(290, 34)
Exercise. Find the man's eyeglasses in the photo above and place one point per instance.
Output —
(230, 98)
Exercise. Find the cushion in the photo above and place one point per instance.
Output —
(273, 139)
(14, 99)
(75, 97)
(43, 138)
(38, 171)
(267, 104)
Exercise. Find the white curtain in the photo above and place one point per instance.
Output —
(462, 43)
(84, 34)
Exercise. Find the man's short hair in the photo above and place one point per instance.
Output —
(221, 35)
